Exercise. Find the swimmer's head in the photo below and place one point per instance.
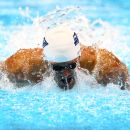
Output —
(61, 47)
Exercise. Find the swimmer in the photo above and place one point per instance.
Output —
(63, 53)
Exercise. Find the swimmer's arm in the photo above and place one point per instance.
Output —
(26, 65)
(88, 57)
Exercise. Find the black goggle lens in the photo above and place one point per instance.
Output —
(72, 66)
(57, 68)
(60, 68)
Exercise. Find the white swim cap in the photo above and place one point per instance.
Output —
(61, 44)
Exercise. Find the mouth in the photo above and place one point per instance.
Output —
(67, 83)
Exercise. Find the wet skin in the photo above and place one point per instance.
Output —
(64, 74)
(28, 66)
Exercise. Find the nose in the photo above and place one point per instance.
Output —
(66, 73)
(67, 80)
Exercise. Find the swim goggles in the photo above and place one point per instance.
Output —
(59, 67)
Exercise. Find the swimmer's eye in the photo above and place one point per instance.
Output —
(58, 68)
(72, 66)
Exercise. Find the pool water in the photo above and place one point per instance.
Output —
(44, 106)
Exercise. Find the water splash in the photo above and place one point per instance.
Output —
(82, 107)
(98, 32)
(44, 105)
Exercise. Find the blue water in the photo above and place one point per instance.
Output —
(88, 106)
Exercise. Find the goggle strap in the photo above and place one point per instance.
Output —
(76, 40)
(45, 43)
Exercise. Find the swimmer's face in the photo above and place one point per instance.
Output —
(64, 74)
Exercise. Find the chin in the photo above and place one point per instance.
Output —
(65, 85)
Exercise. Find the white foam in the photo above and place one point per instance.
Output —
(98, 32)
